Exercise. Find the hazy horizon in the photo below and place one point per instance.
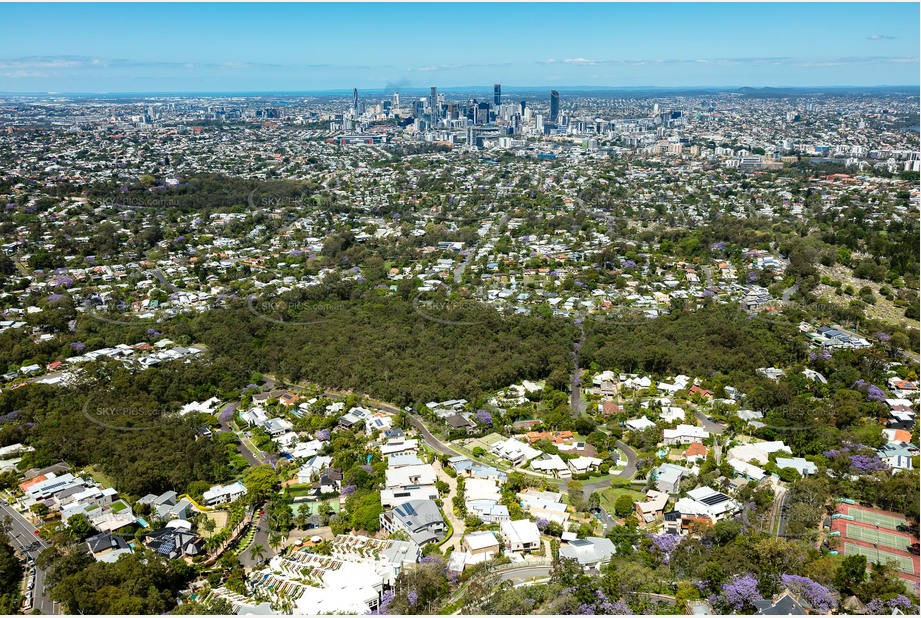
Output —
(201, 48)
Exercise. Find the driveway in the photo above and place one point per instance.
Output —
(457, 524)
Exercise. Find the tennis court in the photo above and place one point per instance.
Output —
(869, 517)
(877, 537)
(905, 564)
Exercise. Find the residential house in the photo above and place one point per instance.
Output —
(515, 451)
(898, 455)
(459, 423)
(277, 426)
(221, 494)
(482, 544)
(173, 543)
(105, 547)
(402, 460)
(707, 502)
(785, 603)
(591, 553)
(312, 468)
(652, 508)
(639, 424)
(668, 477)
(757, 451)
(330, 481)
(488, 511)
(746, 470)
(805, 468)
(391, 498)
(398, 446)
(583, 465)
(378, 422)
(409, 476)
(544, 504)
(420, 519)
(695, 452)
(551, 464)
(684, 434)
(521, 535)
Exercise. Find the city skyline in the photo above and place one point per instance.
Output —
(144, 48)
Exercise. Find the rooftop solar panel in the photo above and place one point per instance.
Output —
(715, 499)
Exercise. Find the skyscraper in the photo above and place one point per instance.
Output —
(355, 99)
(523, 106)
(554, 107)
(433, 103)
(497, 94)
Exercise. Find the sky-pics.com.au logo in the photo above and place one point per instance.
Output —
(295, 313)
(260, 202)
(126, 417)
(437, 305)
(129, 205)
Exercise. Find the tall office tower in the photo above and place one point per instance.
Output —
(396, 100)
(355, 100)
(497, 94)
(554, 107)
(433, 103)
(523, 105)
(483, 113)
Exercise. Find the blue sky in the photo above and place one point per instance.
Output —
(287, 47)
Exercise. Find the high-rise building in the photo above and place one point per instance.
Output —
(355, 99)
(433, 104)
(497, 94)
(523, 105)
(554, 107)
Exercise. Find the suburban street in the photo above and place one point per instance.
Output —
(261, 538)
(711, 426)
(523, 573)
(22, 535)
(431, 440)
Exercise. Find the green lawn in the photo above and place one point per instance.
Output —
(100, 477)
(610, 495)
(312, 508)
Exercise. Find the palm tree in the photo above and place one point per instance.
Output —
(276, 540)
(257, 552)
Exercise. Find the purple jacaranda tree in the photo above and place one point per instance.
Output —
(323, 435)
(867, 464)
(348, 490)
(741, 591)
(815, 593)
(483, 418)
